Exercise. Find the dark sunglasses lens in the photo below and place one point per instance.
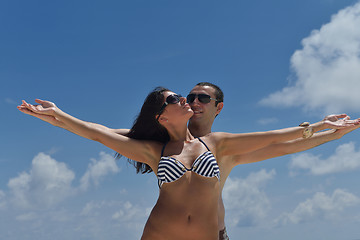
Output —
(203, 98)
(190, 98)
(172, 99)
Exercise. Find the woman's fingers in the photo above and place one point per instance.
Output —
(29, 107)
(342, 115)
(25, 110)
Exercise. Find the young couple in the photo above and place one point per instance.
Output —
(172, 137)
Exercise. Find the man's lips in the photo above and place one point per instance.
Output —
(197, 111)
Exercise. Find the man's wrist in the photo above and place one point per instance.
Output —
(318, 126)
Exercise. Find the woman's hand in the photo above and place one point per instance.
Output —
(44, 111)
(339, 121)
(44, 107)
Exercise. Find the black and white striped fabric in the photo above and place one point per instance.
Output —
(170, 169)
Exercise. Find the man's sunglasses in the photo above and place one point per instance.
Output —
(171, 99)
(203, 98)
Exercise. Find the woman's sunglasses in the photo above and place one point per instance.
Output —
(171, 99)
(203, 98)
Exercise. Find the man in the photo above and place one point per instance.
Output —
(200, 124)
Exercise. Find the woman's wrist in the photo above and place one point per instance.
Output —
(58, 114)
(334, 134)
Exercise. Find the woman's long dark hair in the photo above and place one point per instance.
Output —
(146, 127)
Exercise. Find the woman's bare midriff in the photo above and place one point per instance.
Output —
(186, 209)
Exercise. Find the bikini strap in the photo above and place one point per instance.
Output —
(203, 143)
(162, 150)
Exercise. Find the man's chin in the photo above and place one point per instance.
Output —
(196, 117)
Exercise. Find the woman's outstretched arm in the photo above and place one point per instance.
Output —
(56, 122)
(142, 151)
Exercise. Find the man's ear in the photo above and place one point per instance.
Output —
(219, 107)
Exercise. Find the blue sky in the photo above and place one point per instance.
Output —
(279, 63)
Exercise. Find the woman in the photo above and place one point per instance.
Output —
(186, 167)
(187, 203)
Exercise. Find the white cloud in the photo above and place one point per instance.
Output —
(130, 213)
(98, 170)
(345, 158)
(132, 216)
(47, 183)
(246, 204)
(91, 208)
(327, 68)
(320, 206)
(125, 215)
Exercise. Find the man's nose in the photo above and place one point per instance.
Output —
(195, 102)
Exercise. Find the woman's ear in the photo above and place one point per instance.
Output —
(161, 119)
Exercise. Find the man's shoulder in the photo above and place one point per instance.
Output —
(218, 134)
(215, 137)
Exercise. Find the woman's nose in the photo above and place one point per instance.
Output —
(182, 100)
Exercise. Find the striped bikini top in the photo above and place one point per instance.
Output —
(170, 169)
